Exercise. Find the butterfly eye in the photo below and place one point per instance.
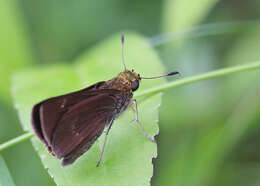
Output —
(135, 85)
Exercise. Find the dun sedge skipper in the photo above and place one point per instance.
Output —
(69, 124)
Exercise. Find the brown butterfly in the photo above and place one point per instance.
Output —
(69, 124)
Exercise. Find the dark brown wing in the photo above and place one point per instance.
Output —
(52, 109)
(70, 124)
(84, 120)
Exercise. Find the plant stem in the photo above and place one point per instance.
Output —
(162, 88)
(16, 140)
(205, 76)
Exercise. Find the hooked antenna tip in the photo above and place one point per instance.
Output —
(122, 38)
(173, 73)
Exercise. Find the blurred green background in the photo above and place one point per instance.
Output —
(209, 131)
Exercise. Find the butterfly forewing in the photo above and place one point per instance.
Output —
(84, 120)
(69, 124)
(46, 114)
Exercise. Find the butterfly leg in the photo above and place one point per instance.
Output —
(104, 144)
(133, 102)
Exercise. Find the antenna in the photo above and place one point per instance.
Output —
(165, 75)
(123, 56)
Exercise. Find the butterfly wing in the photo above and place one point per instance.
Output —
(52, 109)
(70, 124)
(84, 120)
(83, 124)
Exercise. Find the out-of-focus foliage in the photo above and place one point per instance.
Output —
(62, 29)
(5, 177)
(180, 14)
(14, 48)
(208, 131)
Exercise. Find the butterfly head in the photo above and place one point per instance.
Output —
(130, 78)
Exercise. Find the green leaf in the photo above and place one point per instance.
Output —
(14, 49)
(128, 155)
(5, 177)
